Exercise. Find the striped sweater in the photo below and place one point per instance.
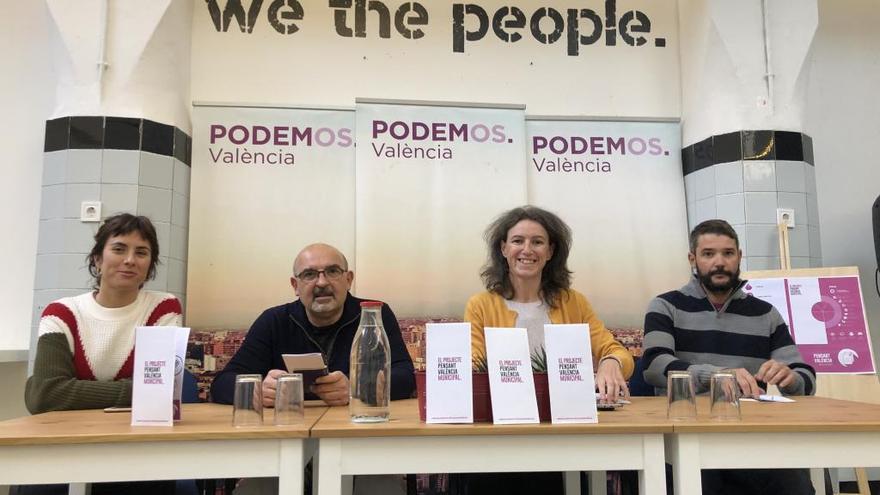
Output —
(85, 352)
(684, 331)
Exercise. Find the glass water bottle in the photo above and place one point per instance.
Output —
(370, 372)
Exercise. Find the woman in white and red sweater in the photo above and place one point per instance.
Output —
(86, 343)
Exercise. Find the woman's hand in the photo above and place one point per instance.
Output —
(610, 382)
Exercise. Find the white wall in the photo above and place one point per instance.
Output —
(26, 96)
(318, 67)
(146, 49)
(843, 117)
(723, 65)
(12, 388)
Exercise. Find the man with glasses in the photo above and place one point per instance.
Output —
(324, 319)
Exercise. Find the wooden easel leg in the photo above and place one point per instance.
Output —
(862, 480)
(784, 247)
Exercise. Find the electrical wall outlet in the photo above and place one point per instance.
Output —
(785, 216)
(90, 211)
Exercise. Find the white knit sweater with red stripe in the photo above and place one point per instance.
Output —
(85, 351)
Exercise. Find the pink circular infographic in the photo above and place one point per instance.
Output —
(828, 310)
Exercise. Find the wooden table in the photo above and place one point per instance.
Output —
(813, 432)
(629, 438)
(94, 446)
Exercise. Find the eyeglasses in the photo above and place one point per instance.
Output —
(330, 273)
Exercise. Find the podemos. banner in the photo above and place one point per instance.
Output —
(265, 183)
(619, 186)
(429, 181)
(411, 214)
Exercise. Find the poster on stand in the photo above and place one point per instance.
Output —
(826, 318)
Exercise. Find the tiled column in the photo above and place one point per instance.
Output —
(743, 177)
(122, 108)
(130, 165)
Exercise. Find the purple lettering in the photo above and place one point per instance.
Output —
(217, 131)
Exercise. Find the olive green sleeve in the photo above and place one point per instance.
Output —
(54, 386)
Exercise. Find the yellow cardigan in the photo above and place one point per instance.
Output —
(488, 309)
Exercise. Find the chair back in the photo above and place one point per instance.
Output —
(190, 392)
(638, 387)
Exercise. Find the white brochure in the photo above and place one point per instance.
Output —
(155, 355)
(570, 373)
(510, 376)
(448, 369)
(808, 311)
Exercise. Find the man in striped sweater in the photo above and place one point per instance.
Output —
(710, 325)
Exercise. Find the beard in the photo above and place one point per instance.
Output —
(323, 307)
(706, 280)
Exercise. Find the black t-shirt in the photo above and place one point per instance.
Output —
(325, 337)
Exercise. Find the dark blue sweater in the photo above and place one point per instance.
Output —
(282, 330)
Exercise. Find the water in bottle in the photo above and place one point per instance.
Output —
(370, 372)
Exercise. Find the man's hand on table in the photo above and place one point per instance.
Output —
(775, 373)
(332, 388)
(269, 384)
(746, 382)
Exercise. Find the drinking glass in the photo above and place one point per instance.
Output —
(247, 404)
(289, 399)
(724, 397)
(682, 403)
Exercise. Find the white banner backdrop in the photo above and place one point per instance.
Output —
(265, 183)
(619, 187)
(410, 216)
(429, 181)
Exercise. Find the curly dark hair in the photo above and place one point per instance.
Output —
(122, 224)
(555, 277)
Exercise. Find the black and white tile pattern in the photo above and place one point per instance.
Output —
(130, 165)
(743, 177)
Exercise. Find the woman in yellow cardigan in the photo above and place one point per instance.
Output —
(529, 284)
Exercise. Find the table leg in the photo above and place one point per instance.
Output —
(817, 476)
(79, 489)
(598, 483)
(684, 453)
(290, 467)
(571, 481)
(330, 466)
(652, 478)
